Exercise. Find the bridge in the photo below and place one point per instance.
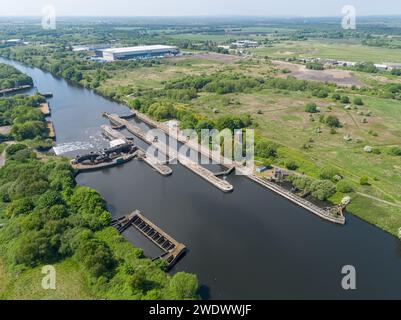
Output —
(172, 249)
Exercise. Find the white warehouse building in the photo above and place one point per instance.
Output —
(139, 52)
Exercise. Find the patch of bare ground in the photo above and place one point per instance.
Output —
(339, 77)
(5, 130)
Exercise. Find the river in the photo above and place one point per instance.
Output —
(249, 244)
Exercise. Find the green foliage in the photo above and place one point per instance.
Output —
(329, 173)
(314, 66)
(358, 101)
(14, 148)
(332, 121)
(368, 67)
(344, 186)
(322, 189)
(291, 165)
(395, 151)
(183, 286)
(364, 181)
(10, 77)
(311, 107)
(336, 97)
(265, 149)
(345, 99)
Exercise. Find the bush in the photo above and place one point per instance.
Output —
(291, 165)
(311, 107)
(364, 181)
(322, 189)
(344, 187)
(358, 101)
(314, 66)
(328, 173)
(395, 151)
(345, 100)
(12, 149)
(336, 97)
(332, 121)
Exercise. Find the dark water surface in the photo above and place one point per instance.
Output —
(248, 244)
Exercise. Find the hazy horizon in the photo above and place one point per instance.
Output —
(206, 8)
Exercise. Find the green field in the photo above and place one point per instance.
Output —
(330, 50)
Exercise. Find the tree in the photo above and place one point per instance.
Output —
(183, 286)
(96, 257)
(332, 121)
(266, 149)
(322, 189)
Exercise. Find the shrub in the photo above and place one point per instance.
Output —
(322, 189)
(328, 173)
(332, 121)
(358, 101)
(364, 181)
(344, 187)
(291, 165)
(345, 99)
(311, 107)
(395, 151)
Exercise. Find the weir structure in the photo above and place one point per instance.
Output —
(172, 249)
(153, 162)
(171, 153)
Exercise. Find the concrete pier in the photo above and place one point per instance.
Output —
(322, 213)
(172, 153)
(172, 249)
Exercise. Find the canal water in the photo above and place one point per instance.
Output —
(249, 244)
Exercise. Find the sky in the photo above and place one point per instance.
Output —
(307, 8)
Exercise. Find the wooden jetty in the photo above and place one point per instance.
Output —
(206, 174)
(172, 249)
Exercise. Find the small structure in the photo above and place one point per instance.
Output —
(261, 169)
(244, 44)
(368, 149)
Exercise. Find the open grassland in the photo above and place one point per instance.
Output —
(329, 50)
(280, 116)
(28, 284)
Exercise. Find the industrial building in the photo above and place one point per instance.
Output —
(139, 52)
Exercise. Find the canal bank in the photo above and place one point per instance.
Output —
(250, 243)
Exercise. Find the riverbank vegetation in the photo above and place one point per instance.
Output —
(47, 219)
(13, 78)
